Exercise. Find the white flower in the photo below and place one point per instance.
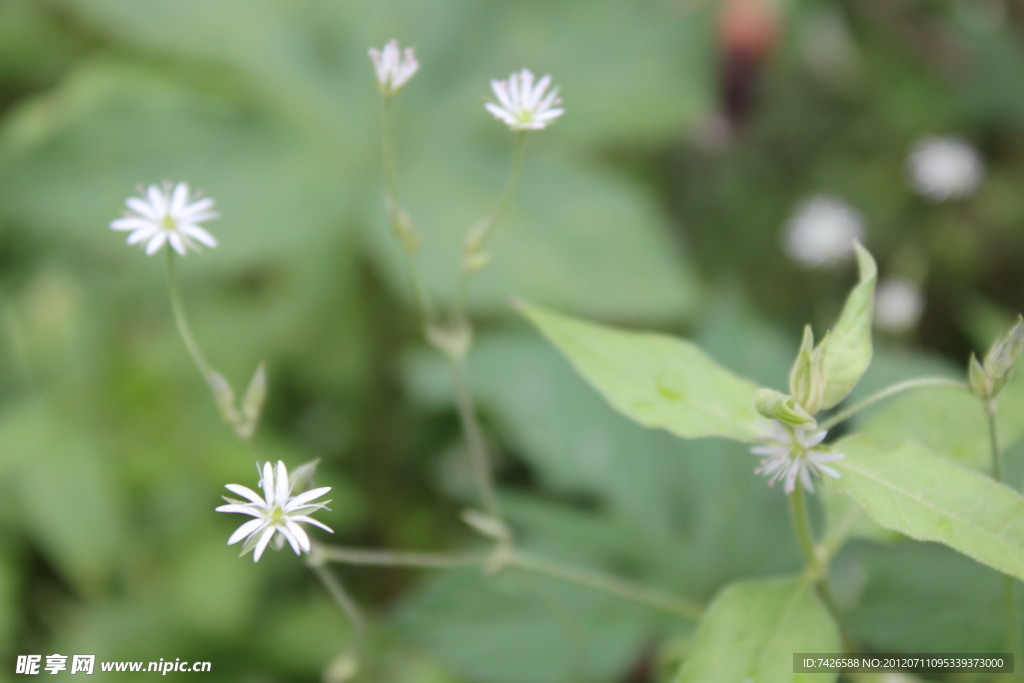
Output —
(165, 215)
(822, 231)
(276, 512)
(944, 168)
(792, 452)
(393, 67)
(898, 304)
(523, 105)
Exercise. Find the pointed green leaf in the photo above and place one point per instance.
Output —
(908, 489)
(752, 629)
(656, 380)
(848, 350)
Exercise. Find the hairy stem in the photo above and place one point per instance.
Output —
(603, 583)
(400, 223)
(345, 603)
(815, 566)
(182, 322)
(404, 558)
(482, 232)
(897, 388)
(479, 461)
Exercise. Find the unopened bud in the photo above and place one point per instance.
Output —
(778, 406)
(807, 377)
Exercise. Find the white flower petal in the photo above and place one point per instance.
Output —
(248, 509)
(245, 492)
(304, 498)
(282, 489)
(154, 244)
(245, 530)
(130, 223)
(198, 233)
(141, 207)
(261, 544)
(179, 198)
(300, 535)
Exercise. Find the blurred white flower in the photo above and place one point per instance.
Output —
(898, 304)
(822, 231)
(277, 513)
(522, 104)
(944, 168)
(166, 215)
(792, 452)
(393, 66)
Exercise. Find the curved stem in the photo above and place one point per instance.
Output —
(605, 584)
(817, 569)
(477, 237)
(897, 388)
(181, 321)
(400, 223)
(345, 603)
(479, 461)
(393, 558)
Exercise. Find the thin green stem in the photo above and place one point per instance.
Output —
(479, 461)
(606, 584)
(394, 558)
(400, 223)
(802, 528)
(897, 388)
(345, 603)
(815, 566)
(1009, 583)
(476, 239)
(181, 321)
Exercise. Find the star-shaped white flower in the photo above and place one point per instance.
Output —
(944, 168)
(165, 214)
(792, 452)
(393, 67)
(277, 513)
(522, 104)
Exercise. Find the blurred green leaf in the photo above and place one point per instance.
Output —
(656, 380)
(523, 629)
(895, 609)
(66, 496)
(908, 489)
(949, 421)
(752, 629)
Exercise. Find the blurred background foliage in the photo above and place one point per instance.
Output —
(692, 130)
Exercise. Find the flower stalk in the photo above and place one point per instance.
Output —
(817, 567)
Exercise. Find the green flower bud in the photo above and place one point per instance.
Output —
(978, 379)
(1001, 357)
(807, 377)
(778, 406)
(252, 402)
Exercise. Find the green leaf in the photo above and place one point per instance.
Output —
(523, 629)
(848, 349)
(663, 498)
(657, 380)
(908, 489)
(752, 629)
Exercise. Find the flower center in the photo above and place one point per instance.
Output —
(276, 516)
(168, 223)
